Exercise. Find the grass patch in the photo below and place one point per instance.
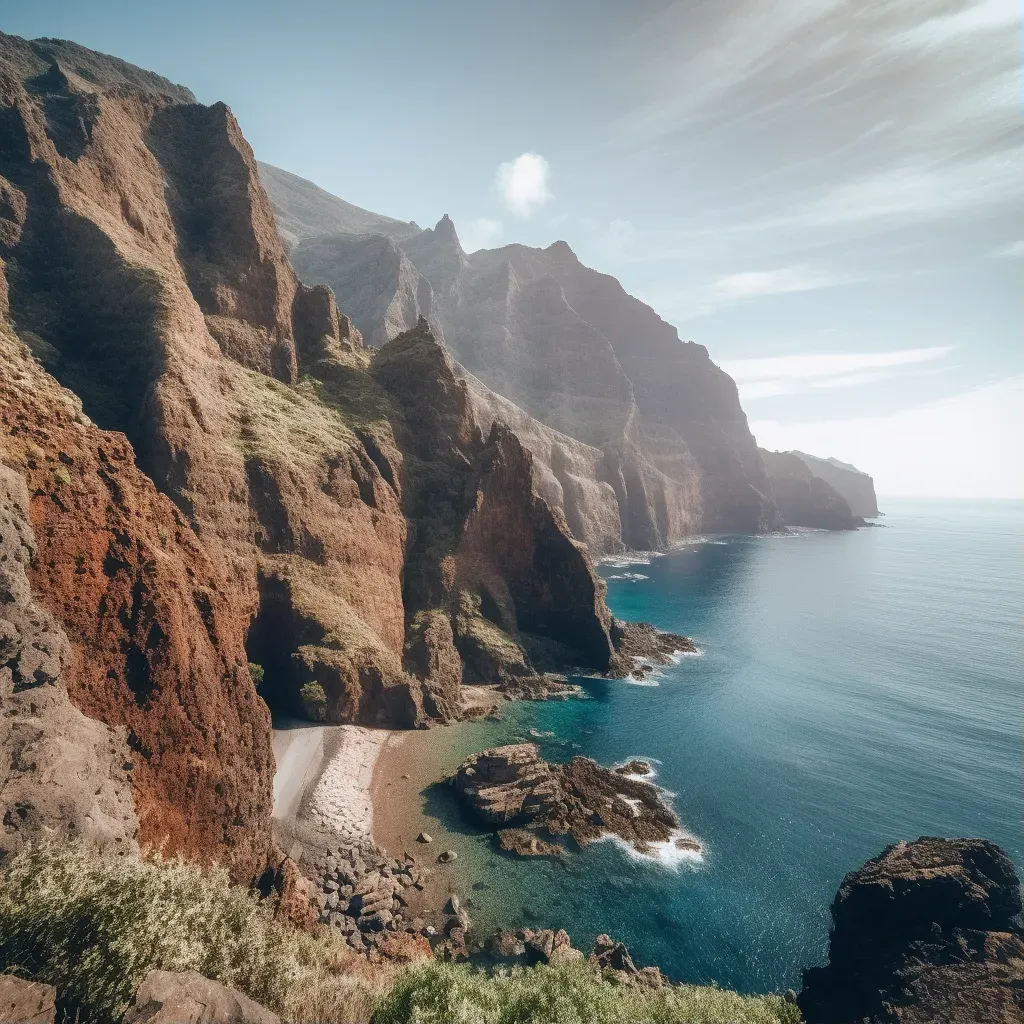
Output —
(567, 994)
(94, 930)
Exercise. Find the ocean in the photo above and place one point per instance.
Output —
(852, 690)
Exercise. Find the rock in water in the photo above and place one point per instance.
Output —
(928, 931)
(513, 786)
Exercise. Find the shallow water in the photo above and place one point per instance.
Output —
(852, 690)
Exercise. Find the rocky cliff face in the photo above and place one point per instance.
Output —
(223, 478)
(857, 488)
(804, 499)
(927, 931)
(573, 350)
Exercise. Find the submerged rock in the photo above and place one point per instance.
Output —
(927, 931)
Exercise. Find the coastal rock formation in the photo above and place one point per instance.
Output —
(804, 499)
(491, 571)
(513, 786)
(218, 475)
(927, 931)
(856, 487)
(572, 350)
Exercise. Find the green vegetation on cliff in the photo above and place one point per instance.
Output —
(95, 928)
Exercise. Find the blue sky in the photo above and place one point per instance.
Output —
(829, 194)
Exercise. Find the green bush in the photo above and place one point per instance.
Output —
(314, 702)
(572, 993)
(95, 929)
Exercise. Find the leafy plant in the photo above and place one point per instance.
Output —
(314, 702)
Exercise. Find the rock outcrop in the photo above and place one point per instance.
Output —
(186, 997)
(804, 499)
(513, 787)
(856, 487)
(26, 1002)
(927, 931)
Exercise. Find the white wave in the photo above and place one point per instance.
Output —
(665, 854)
(651, 762)
(633, 577)
(651, 679)
(676, 657)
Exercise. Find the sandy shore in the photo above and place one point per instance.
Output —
(325, 774)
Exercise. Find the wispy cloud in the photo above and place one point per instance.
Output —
(480, 233)
(770, 376)
(966, 445)
(753, 283)
(523, 183)
(1013, 251)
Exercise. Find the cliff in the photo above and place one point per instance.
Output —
(927, 931)
(570, 348)
(219, 476)
(804, 499)
(855, 486)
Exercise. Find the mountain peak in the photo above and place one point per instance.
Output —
(562, 250)
(445, 228)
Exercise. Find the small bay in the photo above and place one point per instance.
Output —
(852, 690)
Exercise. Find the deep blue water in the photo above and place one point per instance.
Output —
(854, 689)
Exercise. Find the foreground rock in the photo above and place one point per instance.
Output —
(928, 931)
(26, 1002)
(168, 997)
(514, 788)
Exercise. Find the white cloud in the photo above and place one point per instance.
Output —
(523, 183)
(850, 380)
(480, 233)
(983, 16)
(753, 283)
(1013, 251)
(970, 445)
(808, 366)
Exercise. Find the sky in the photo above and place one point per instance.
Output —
(828, 194)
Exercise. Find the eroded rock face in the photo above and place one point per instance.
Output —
(927, 931)
(63, 776)
(232, 484)
(155, 658)
(513, 786)
(488, 556)
(804, 499)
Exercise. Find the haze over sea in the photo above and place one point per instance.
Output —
(854, 689)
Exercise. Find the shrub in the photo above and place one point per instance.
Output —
(256, 671)
(95, 929)
(568, 994)
(314, 702)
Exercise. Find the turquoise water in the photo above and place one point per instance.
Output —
(853, 689)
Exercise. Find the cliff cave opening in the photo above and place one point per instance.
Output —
(272, 639)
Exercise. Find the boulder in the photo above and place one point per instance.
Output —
(167, 997)
(26, 1002)
(927, 931)
(512, 785)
